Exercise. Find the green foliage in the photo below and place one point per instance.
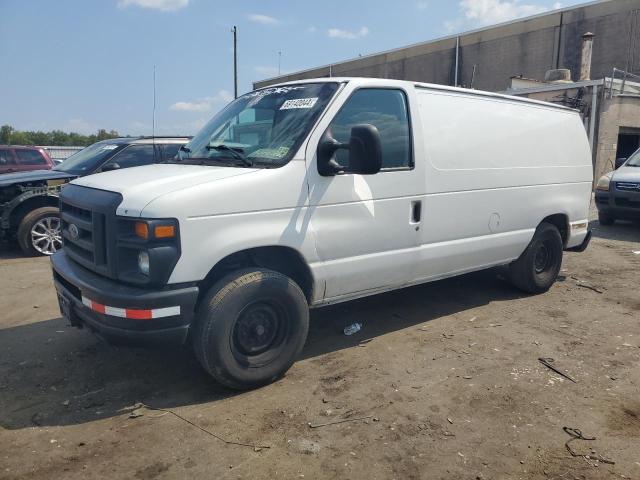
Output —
(58, 138)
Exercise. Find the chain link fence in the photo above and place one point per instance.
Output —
(59, 154)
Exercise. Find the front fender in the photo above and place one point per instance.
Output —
(37, 192)
(208, 240)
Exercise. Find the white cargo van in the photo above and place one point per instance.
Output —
(316, 192)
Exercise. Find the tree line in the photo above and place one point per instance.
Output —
(57, 138)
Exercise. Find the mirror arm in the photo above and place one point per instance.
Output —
(335, 166)
(328, 148)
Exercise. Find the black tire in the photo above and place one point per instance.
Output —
(250, 327)
(538, 266)
(605, 219)
(28, 231)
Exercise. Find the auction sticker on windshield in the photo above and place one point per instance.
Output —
(299, 103)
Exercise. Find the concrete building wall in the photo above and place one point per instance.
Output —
(617, 114)
(527, 47)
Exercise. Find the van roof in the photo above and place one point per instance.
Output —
(429, 86)
(139, 140)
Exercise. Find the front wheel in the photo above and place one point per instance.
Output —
(39, 232)
(538, 266)
(250, 327)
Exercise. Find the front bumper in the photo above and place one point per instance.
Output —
(120, 313)
(582, 246)
(622, 205)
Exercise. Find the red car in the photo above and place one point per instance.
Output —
(15, 158)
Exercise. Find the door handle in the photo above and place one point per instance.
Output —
(416, 211)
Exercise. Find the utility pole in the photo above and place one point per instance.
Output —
(279, 61)
(235, 61)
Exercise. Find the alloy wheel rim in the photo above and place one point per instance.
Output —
(46, 236)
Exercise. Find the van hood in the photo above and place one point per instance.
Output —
(141, 185)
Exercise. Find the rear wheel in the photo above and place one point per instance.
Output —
(250, 327)
(538, 266)
(39, 232)
(605, 219)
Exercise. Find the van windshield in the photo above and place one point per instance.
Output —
(263, 128)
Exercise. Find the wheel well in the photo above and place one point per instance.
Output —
(280, 259)
(561, 221)
(29, 205)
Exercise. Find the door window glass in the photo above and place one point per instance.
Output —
(30, 157)
(6, 157)
(134, 156)
(170, 150)
(386, 109)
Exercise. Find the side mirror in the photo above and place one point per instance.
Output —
(620, 162)
(110, 166)
(365, 152)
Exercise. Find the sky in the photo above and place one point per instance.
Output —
(81, 65)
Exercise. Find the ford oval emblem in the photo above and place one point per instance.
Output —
(74, 233)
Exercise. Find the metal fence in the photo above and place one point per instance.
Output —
(623, 83)
(58, 154)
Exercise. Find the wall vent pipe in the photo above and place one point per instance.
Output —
(585, 59)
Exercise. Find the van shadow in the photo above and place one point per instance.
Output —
(620, 230)
(53, 375)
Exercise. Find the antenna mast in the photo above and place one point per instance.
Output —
(235, 61)
(153, 120)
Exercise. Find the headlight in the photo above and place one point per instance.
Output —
(143, 262)
(603, 182)
(147, 250)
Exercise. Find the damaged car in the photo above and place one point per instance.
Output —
(29, 200)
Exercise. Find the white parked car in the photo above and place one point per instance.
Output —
(317, 192)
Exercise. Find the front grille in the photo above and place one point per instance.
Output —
(628, 186)
(89, 227)
(81, 232)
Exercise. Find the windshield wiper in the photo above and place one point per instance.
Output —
(236, 152)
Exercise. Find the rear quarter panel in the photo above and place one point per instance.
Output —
(494, 169)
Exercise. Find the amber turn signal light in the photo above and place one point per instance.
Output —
(142, 230)
(164, 231)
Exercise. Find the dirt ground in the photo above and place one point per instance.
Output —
(446, 375)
